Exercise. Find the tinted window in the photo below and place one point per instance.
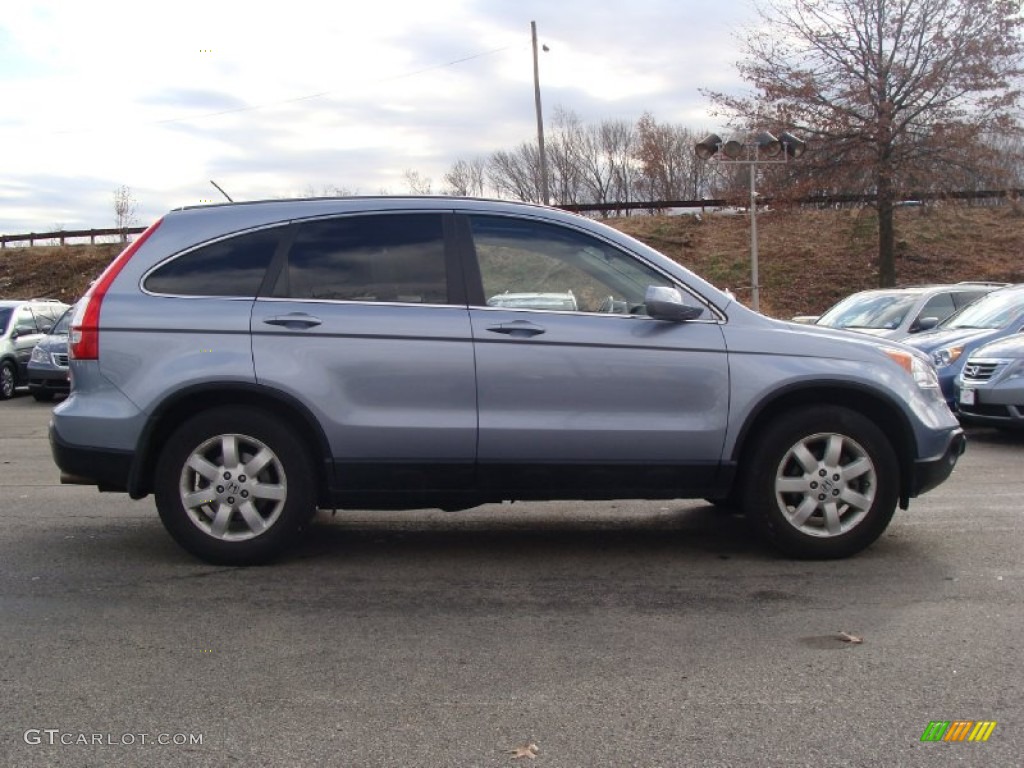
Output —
(964, 298)
(940, 307)
(398, 258)
(231, 267)
(5, 315)
(531, 265)
(25, 321)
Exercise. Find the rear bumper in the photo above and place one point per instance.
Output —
(929, 473)
(108, 470)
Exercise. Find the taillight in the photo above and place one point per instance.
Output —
(84, 338)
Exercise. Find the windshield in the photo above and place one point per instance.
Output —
(993, 311)
(61, 327)
(884, 311)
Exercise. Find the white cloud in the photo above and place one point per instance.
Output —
(344, 94)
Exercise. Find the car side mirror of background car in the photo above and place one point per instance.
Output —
(925, 324)
(666, 303)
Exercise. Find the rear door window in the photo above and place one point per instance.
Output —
(371, 258)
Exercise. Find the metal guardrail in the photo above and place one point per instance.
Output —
(63, 235)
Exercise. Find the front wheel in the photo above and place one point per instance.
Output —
(8, 380)
(823, 482)
(234, 486)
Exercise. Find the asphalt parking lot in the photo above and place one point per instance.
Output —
(605, 634)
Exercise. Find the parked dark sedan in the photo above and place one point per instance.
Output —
(48, 365)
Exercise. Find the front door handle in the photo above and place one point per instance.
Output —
(520, 329)
(293, 320)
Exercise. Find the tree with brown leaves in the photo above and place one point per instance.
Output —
(894, 95)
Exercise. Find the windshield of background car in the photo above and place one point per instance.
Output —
(993, 311)
(535, 265)
(869, 311)
(5, 316)
(63, 323)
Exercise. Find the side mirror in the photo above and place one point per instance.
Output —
(924, 324)
(665, 303)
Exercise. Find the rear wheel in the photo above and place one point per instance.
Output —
(823, 482)
(234, 486)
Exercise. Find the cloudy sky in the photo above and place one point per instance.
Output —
(278, 100)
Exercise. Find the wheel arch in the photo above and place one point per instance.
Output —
(870, 403)
(188, 402)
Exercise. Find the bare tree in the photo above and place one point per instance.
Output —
(893, 93)
(125, 206)
(466, 178)
(418, 183)
(669, 169)
(327, 190)
(516, 173)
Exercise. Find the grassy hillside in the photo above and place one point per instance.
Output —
(807, 259)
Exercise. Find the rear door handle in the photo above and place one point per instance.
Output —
(293, 320)
(522, 329)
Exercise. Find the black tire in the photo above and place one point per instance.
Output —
(42, 395)
(822, 482)
(8, 379)
(219, 515)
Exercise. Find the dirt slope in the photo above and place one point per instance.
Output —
(807, 259)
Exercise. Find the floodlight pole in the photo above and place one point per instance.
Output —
(789, 146)
(755, 281)
(753, 161)
(545, 199)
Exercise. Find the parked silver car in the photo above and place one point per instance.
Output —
(23, 324)
(897, 313)
(248, 363)
(990, 388)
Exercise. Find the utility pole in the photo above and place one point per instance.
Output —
(545, 198)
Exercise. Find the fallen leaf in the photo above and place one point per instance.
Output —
(848, 638)
(527, 750)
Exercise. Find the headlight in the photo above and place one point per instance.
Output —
(38, 355)
(947, 356)
(1015, 370)
(918, 367)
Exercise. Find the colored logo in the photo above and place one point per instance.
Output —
(958, 730)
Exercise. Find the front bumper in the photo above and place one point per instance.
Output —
(48, 380)
(928, 473)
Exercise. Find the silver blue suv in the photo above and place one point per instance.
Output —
(249, 363)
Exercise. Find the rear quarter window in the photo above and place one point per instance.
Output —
(234, 266)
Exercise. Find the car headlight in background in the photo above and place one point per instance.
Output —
(947, 356)
(38, 355)
(1014, 370)
(917, 366)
